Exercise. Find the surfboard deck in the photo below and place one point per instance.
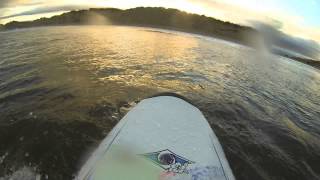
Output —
(161, 138)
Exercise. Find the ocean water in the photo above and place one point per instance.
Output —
(62, 89)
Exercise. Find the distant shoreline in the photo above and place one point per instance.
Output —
(150, 17)
(155, 17)
(310, 62)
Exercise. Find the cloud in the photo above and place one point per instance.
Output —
(11, 3)
(50, 9)
(4, 3)
(6, 6)
(302, 46)
(293, 25)
(285, 30)
(226, 11)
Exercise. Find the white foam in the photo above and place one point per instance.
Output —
(24, 173)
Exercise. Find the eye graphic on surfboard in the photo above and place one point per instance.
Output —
(169, 161)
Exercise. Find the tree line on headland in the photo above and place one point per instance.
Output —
(144, 16)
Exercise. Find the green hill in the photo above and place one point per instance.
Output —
(141, 16)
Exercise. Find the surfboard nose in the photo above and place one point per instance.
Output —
(171, 134)
(172, 94)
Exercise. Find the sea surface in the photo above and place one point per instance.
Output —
(62, 89)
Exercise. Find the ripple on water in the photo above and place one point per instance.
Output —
(63, 88)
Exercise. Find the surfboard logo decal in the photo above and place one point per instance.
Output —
(169, 161)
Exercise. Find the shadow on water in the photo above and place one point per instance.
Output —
(62, 89)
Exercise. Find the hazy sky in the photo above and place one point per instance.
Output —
(296, 17)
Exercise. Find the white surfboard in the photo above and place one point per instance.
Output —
(161, 138)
